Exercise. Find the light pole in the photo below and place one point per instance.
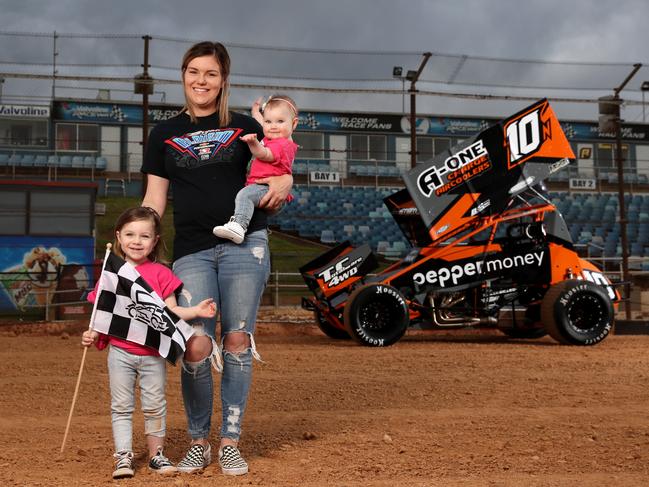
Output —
(413, 76)
(54, 71)
(144, 86)
(609, 108)
(644, 87)
(397, 72)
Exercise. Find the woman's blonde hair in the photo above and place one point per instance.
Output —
(220, 53)
(141, 213)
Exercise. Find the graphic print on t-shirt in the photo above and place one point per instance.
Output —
(203, 147)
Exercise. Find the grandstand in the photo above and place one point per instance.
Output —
(27, 164)
(357, 214)
(334, 213)
(342, 174)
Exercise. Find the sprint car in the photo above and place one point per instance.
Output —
(488, 249)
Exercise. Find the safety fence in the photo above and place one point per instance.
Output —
(26, 299)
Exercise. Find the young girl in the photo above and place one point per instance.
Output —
(137, 234)
(273, 157)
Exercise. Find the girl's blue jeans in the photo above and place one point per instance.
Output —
(124, 369)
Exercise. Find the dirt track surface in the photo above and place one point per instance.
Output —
(454, 409)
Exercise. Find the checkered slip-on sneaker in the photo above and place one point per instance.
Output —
(161, 464)
(231, 461)
(197, 458)
(123, 465)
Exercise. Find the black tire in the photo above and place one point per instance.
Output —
(376, 315)
(328, 329)
(577, 312)
(531, 329)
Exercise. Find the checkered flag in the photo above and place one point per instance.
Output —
(310, 121)
(128, 308)
(117, 113)
(485, 124)
(569, 130)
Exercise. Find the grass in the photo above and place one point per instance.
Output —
(287, 254)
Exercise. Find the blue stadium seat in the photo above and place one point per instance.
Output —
(27, 160)
(327, 237)
(300, 168)
(382, 246)
(288, 224)
(65, 161)
(399, 247)
(40, 160)
(363, 170)
(383, 171)
(101, 163)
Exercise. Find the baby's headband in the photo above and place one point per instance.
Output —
(279, 98)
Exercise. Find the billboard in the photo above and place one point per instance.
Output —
(35, 271)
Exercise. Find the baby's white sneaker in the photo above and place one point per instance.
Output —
(231, 230)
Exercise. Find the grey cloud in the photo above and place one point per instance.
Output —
(579, 30)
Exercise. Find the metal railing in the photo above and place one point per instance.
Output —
(287, 288)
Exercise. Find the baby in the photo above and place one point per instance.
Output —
(273, 156)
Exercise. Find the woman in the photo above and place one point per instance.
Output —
(200, 153)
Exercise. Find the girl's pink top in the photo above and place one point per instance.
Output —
(283, 151)
(163, 282)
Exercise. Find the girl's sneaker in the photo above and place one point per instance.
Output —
(231, 461)
(161, 464)
(123, 465)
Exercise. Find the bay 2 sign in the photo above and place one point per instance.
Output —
(583, 183)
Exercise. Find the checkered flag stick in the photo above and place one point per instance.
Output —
(83, 361)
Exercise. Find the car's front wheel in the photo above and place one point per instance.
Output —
(577, 312)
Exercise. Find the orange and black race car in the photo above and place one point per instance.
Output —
(489, 248)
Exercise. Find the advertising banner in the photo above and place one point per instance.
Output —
(109, 112)
(445, 126)
(24, 111)
(35, 271)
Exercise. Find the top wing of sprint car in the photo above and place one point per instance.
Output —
(485, 237)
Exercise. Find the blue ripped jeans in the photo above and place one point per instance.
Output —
(235, 277)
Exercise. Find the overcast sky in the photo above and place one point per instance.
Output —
(614, 34)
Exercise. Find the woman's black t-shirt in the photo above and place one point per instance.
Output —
(206, 167)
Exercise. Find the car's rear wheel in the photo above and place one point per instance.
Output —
(376, 315)
(328, 329)
(577, 312)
